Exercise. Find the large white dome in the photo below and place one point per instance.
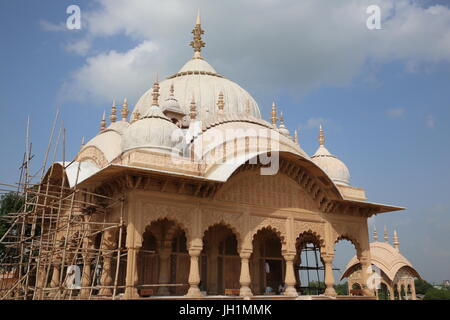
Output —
(197, 78)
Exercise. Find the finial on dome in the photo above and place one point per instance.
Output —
(197, 44)
(296, 136)
(386, 237)
(281, 119)
(221, 103)
(193, 110)
(155, 93)
(103, 122)
(113, 116)
(136, 116)
(396, 242)
(375, 234)
(274, 117)
(124, 110)
(321, 136)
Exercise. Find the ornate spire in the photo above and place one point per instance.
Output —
(155, 93)
(198, 44)
(386, 237)
(103, 122)
(193, 111)
(136, 116)
(113, 116)
(221, 103)
(321, 136)
(124, 110)
(375, 234)
(281, 119)
(274, 117)
(396, 242)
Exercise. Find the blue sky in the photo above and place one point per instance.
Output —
(383, 95)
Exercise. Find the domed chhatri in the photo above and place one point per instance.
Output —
(193, 169)
(153, 131)
(395, 273)
(197, 77)
(335, 168)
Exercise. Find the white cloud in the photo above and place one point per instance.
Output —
(114, 75)
(80, 47)
(52, 27)
(269, 45)
(395, 113)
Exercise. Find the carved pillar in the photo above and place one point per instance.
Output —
(244, 279)
(391, 293)
(164, 268)
(413, 291)
(133, 243)
(290, 276)
(86, 277)
(366, 272)
(106, 278)
(399, 290)
(329, 276)
(194, 272)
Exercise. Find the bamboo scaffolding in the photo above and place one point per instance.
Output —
(49, 234)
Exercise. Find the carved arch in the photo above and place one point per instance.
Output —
(180, 216)
(94, 154)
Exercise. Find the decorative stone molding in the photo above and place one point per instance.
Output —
(94, 154)
(180, 216)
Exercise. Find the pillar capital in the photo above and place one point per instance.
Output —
(245, 253)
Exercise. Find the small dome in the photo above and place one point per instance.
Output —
(153, 131)
(333, 167)
(118, 126)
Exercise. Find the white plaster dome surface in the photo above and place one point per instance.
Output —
(199, 80)
(333, 167)
(108, 142)
(154, 131)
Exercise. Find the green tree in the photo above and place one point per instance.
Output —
(437, 294)
(422, 286)
(341, 289)
(9, 203)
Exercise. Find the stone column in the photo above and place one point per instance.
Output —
(413, 291)
(366, 269)
(106, 278)
(54, 282)
(289, 279)
(391, 293)
(86, 277)
(194, 271)
(164, 268)
(244, 279)
(329, 276)
(132, 273)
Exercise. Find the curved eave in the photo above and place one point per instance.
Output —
(376, 208)
(389, 273)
